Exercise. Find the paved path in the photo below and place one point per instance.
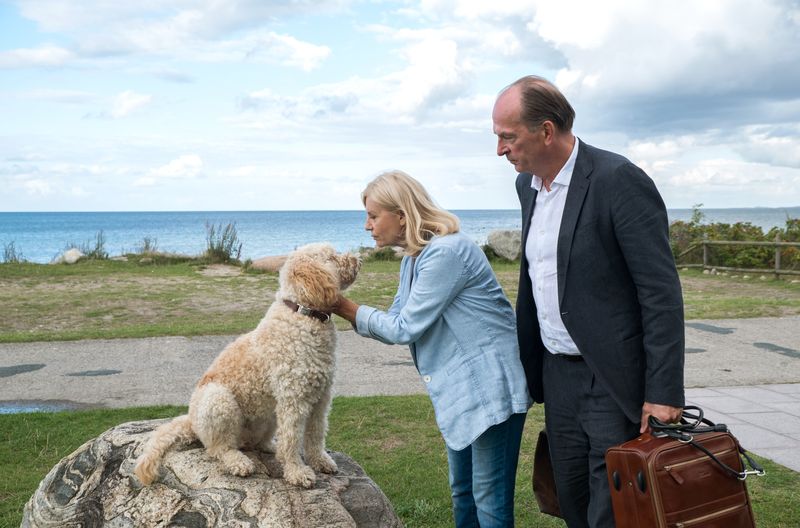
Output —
(743, 372)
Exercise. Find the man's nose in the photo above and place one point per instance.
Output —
(502, 149)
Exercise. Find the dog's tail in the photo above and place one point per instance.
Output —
(178, 431)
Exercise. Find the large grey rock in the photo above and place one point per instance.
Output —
(505, 243)
(95, 487)
(70, 256)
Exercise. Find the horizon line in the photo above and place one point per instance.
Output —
(701, 208)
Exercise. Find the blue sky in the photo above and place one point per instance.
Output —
(296, 104)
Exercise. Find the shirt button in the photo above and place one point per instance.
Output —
(426, 379)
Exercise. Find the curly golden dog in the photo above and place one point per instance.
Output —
(275, 379)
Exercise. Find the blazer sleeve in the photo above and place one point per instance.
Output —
(440, 276)
(642, 232)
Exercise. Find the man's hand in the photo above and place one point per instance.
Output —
(665, 413)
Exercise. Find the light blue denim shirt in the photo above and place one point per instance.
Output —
(461, 329)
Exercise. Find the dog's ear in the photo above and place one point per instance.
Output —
(316, 287)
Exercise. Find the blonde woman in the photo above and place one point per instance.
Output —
(451, 311)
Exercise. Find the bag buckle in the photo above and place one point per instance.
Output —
(757, 472)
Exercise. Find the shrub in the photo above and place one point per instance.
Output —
(11, 255)
(683, 235)
(222, 243)
(383, 254)
(92, 249)
(148, 246)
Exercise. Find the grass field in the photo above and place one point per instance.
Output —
(107, 299)
(395, 440)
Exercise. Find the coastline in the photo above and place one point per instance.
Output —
(39, 237)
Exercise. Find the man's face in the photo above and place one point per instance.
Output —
(519, 145)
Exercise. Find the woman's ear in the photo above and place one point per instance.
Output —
(402, 218)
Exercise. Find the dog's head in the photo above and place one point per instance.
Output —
(314, 274)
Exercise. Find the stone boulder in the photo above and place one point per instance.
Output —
(506, 243)
(269, 263)
(95, 487)
(70, 256)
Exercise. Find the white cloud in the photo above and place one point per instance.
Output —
(187, 166)
(775, 145)
(703, 97)
(191, 29)
(43, 56)
(272, 47)
(128, 102)
(38, 187)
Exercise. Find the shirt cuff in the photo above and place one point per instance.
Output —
(362, 320)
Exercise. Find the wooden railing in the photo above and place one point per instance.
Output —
(706, 244)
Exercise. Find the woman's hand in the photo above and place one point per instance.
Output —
(346, 309)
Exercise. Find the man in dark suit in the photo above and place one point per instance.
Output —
(599, 307)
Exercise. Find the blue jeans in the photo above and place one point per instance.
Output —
(482, 476)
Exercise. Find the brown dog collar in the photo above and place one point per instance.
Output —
(305, 310)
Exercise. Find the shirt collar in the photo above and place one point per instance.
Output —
(564, 176)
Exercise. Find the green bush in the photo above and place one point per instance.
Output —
(92, 249)
(222, 243)
(148, 246)
(11, 255)
(687, 235)
(384, 254)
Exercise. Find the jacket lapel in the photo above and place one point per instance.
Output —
(528, 201)
(579, 184)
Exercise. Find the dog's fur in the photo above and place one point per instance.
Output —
(275, 379)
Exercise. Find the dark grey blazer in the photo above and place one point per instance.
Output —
(618, 289)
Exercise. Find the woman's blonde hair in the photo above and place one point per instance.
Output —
(399, 193)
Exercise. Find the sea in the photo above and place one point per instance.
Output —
(40, 236)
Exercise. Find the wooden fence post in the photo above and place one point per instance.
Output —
(777, 256)
(705, 251)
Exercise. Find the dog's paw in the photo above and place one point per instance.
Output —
(323, 463)
(302, 476)
(238, 464)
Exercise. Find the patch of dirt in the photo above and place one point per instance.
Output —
(392, 443)
(221, 270)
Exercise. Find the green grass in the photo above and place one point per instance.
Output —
(101, 299)
(395, 440)
(732, 296)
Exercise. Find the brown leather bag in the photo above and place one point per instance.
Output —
(682, 475)
(544, 484)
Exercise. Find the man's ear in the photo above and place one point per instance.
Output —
(549, 130)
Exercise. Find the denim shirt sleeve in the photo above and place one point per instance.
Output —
(440, 276)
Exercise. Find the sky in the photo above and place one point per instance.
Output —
(296, 104)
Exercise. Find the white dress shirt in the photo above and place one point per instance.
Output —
(540, 249)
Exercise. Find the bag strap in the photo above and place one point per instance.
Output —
(690, 425)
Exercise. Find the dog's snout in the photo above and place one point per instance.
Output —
(350, 266)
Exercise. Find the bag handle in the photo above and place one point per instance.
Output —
(693, 422)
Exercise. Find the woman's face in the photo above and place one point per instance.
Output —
(387, 228)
